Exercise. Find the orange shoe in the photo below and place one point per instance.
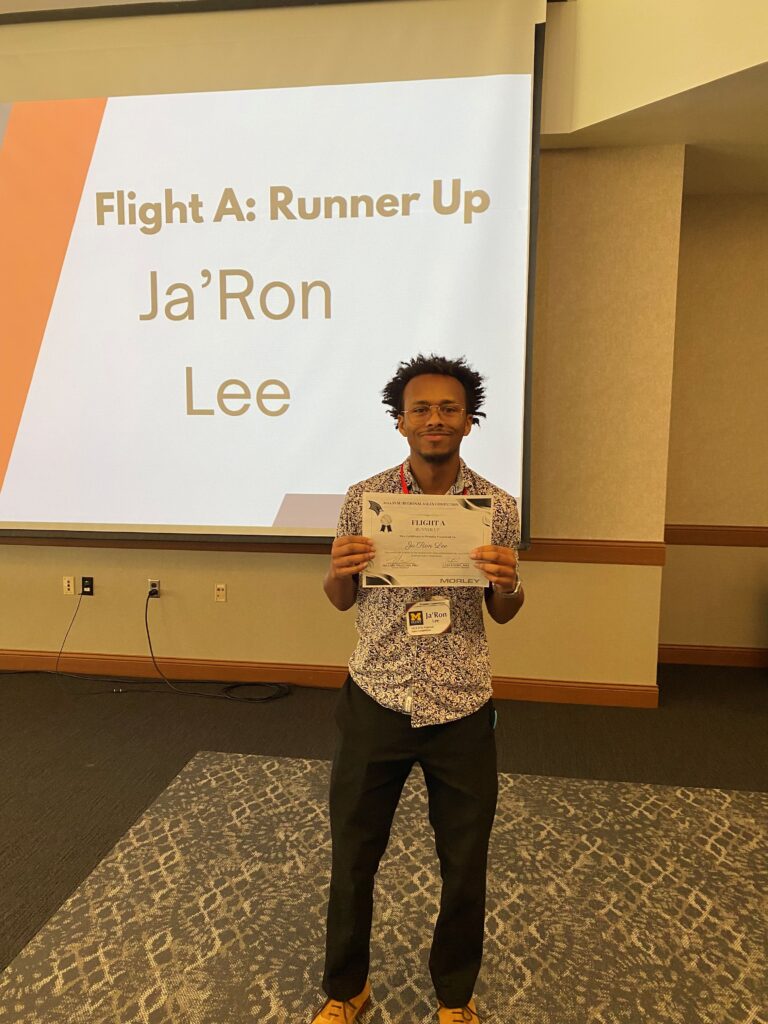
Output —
(337, 1011)
(458, 1015)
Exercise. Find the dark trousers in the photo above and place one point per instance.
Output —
(375, 752)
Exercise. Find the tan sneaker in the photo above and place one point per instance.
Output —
(338, 1012)
(458, 1015)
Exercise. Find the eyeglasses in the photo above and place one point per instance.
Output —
(446, 410)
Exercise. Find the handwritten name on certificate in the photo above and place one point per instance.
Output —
(424, 540)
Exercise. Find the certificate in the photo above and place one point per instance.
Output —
(424, 540)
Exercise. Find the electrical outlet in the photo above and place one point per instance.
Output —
(220, 592)
(154, 585)
(69, 585)
(87, 588)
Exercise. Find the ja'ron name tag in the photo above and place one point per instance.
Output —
(428, 618)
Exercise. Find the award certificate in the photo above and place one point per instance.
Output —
(424, 540)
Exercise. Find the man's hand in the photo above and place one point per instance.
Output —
(349, 556)
(498, 563)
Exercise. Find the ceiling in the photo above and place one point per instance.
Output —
(723, 123)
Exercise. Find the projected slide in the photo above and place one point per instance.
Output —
(203, 294)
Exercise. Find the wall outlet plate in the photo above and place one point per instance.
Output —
(87, 588)
(220, 592)
(68, 584)
(154, 585)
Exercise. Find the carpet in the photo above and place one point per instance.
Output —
(608, 903)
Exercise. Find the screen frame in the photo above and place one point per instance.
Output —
(139, 9)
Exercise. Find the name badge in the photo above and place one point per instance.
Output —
(428, 618)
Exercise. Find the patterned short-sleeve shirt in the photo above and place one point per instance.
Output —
(434, 679)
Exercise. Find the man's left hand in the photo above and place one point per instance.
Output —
(498, 563)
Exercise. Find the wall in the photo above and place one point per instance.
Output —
(608, 244)
(718, 456)
(605, 311)
(718, 467)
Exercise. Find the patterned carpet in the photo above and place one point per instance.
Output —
(609, 903)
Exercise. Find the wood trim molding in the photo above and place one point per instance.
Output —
(317, 547)
(616, 552)
(624, 695)
(140, 666)
(133, 666)
(717, 536)
(542, 549)
(600, 552)
(698, 654)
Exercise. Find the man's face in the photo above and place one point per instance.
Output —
(437, 435)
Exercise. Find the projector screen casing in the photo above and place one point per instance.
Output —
(172, 532)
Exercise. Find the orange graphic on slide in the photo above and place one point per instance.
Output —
(44, 159)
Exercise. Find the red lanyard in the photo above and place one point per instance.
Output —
(404, 482)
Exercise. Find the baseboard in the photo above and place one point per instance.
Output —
(141, 667)
(620, 695)
(717, 536)
(636, 695)
(698, 654)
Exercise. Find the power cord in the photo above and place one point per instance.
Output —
(69, 628)
(278, 689)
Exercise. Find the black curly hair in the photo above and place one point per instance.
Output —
(471, 380)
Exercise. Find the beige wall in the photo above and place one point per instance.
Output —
(583, 623)
(718, 455)
(605, 312)
(605, 320)
(604, 334)
(715, 597)
(591, 623)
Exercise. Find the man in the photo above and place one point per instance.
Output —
(424, 699)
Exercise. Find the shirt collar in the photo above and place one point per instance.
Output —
(458, 485)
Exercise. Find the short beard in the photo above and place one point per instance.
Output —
(437, 457)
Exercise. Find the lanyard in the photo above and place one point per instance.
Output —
(404, 483)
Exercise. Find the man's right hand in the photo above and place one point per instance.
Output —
(349, 556)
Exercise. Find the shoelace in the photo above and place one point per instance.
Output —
(333, 1006)
(462, 1014)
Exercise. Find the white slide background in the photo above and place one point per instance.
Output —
(105, 437)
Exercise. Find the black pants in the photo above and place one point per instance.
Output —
(376, 750)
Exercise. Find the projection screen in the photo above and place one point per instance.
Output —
(221, 232)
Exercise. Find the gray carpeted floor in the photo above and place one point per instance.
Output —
(609, 903)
